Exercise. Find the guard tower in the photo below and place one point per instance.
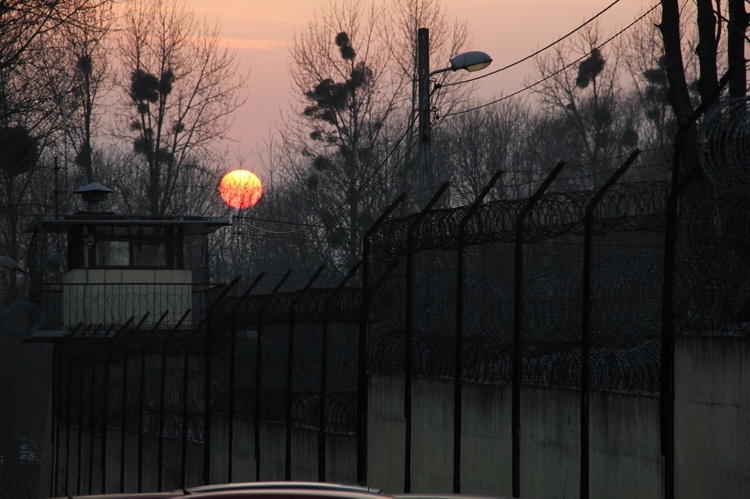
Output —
(121, 266)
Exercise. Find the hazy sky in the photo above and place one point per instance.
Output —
(261, 31)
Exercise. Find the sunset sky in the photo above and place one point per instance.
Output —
(508, 30)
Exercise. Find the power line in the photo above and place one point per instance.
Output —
(534, 54)
(555, 73)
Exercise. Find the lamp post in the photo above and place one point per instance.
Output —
(470, 61)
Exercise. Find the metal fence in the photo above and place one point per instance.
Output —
(582, 290)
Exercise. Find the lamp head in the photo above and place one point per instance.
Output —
(470, 61)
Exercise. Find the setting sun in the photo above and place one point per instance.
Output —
(240, 189)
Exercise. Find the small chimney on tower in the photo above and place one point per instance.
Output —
(93, 195)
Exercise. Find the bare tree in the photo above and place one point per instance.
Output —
(471, 147)
(29, 126)
(86, 78)
(587, 96)
(348, 98)
(182, 89)
(722, 31)
(25, 23)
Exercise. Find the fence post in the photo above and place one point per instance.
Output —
(79, 463)
(208, 342)
(259, 370)
(93, 419)
(518, 309)
(55, 417)
(141, 396)
(92, 401)
(74, 346)
(364, 317)
(409, 331)
(124, 420)
(105, 402)
(324, 370)
(67, 417)
(79, 460)
(458, 372)
(290, 373)
(232, 372)
(586, 303)
(666, 389)
(162, 393)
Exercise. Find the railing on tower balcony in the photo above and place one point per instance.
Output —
(69, 304)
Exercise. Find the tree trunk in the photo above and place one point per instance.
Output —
(706, 50)
(738, 22)
(678, 95)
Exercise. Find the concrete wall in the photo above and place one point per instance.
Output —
(625, 451)
(625, 454)
(712, 440)
(712, 433)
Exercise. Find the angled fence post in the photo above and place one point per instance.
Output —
(586, 303)
(162, 394)
(79, 463)
(232, 372)
(518, 309)
(74, 341)
(93, 413)
(459, 345)
(141, 396)
(409, 331)
(59, 349)
(259, 368)
(208, 342)
(324, 372)
(290, 373)
(79, 450)
(679, 183)
(92, 401)
(105, 401)
(362, 343)
(124, 419)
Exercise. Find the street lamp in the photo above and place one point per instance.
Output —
(470, 61)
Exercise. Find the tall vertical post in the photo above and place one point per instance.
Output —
(259, 369)
(124, 420)
(105, 401)
(458, 373)
(79, 456)
(208, 343)
(56, 380)
(233, 374)
(290, 372)
(142, 396)
(409, 332)
(423, 72)
(166, 340)
(518, 311)
(68, 391)
(680, 181)
(324, 372)
(588, 237)
(364, 317)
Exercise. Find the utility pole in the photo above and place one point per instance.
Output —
(423, 72)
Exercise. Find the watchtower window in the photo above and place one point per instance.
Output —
(112, 253)
(150, 254)
(134, 247)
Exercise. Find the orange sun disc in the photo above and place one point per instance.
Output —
(240, 189)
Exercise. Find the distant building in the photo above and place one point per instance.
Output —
(148, 268)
